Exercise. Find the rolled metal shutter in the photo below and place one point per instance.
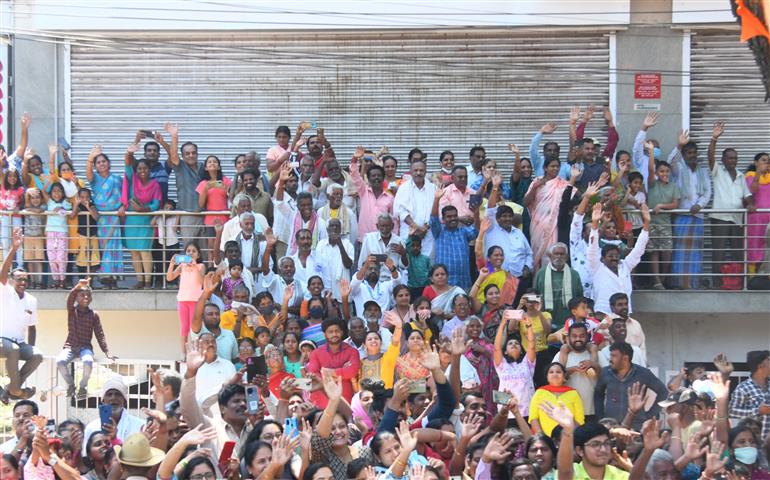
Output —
(726, 85)
(434, 90)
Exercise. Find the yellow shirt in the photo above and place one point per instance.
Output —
(610, 473)
(382, 369)
(541, 339)
(570, 399)
(227, 321)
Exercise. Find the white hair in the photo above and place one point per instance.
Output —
(242, 217)
(556, 245)
(334, 186)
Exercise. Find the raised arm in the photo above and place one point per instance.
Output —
(639, 142)
(26, 120)
(208, 290)
(5, 269)
(270, 242)
(612, 134)
(173, 150)
(500, 339)
(593, 254)
(716, 132)
(96, 150)
(333, 389)
(516, 161)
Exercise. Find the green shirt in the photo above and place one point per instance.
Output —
(610, 473)
(559, 312)
(419, 271)
(662, 193)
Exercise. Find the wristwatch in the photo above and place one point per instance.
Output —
(53, 460)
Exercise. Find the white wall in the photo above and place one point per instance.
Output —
(303, 14)
(702, 11)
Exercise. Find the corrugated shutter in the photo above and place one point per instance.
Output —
(434, 90)
(726, 85)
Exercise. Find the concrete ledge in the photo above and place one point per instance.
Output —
(702, 301)
(104, 300)
(669, 301)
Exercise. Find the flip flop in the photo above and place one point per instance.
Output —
(26, 393)
(4, 396)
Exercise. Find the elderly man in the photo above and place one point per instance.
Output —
(206, 320)
(557, 283)
(260, 200)
(21, 442)
(366, 285)
(335, 256)
(413, 203)
(252, 245)
(115, 394)
(452, 241)
(276, 284)
(334, 208)
(337, 176)
(383, 241)
(231, 228)
(18, 322)
(502, 233)
(305, 265)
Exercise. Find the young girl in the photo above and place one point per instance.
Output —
(11, 200)
(190, 287)
(84, 211)
(515, 368)
(34, 236)
(229, 284)
(56, 232)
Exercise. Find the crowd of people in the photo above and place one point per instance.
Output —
(344, 321)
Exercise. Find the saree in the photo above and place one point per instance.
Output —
(506, 283)
(544, 212)
(687, 260)
(410, 369)
(443, 301)
(484, 366)
(106, 195)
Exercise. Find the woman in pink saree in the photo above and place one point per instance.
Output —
(542, 200)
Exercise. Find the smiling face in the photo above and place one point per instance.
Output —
(461, 307)
(260, 462)
(402, 298)
(526, 168)
(448, 161)
(373, 343)
(577, 339)
(552, 169)
(460, 178)
(390, 166)
(473, 329)
(333, 335)
(513, 348)
(415, 342)
(99, 445)
(596, 451)
(212, 166)
(115, 398)
(335, 198)
(143, 171)
(340, 433)
(418, 173)
(541, 454)
(389, 450)
(493, 296)
(612, 259)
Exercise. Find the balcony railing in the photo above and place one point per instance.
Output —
(79, 264)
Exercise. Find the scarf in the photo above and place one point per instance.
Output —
(343, 215)
(763, 180)
(138, 191)
(555, 389)
(298, 226)
(566, 287)
(71, 187)
(703, 180)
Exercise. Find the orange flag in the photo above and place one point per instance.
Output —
(751, 26)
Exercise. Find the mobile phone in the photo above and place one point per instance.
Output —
(148, 133)
(490, 268)
(179, 259)
(530, 297)
(303, 383)
(380, 257)
(252, 399)
(64, 143)
(418, 386)
(628, 226)
(105, 413)
(475, 199)
(255, 365)
(227, 452)
(501, 398)
(514, 315)
(290, 427)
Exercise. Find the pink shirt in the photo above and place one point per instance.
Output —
(371, 205)
(190, 283)
(216, 199)
(453, 196)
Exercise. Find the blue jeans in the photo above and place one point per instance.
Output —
(67, 356)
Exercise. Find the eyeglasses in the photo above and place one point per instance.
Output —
(597, 445)
(203, 476)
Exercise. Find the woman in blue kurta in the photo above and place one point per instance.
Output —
(140, 194)
(106, 194)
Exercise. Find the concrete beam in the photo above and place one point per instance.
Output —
(707, 302)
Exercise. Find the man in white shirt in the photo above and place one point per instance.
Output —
(611, 274)
(277, 284)
(115, 394)
(357, 336)
(334, 208)
(730, 193)
(413, 204)
(23, 411)
(286, 207)
(232, 227)
(233, 252)
(582, 364)
(215, 370)
(252, 245)
(384, 241)
(373, 318)
(335, 255)
(18, 320)
(305, 265)
(366, 285)
(618, 333)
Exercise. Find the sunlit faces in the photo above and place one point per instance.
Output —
(555, 375)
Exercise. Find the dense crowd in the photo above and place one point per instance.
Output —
(345, 321)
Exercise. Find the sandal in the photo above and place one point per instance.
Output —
(26, 393)
(659, 286)
(5, 396)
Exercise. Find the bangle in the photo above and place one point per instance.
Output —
(721, 419)
(400, 462)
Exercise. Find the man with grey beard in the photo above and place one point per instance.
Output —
(556, 283)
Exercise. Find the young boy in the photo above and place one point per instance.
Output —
(580, 313)
(633, 200)
(419, 267)
(82, 323)
(34, 236)
(88, 259)
(166, 242)
(228, 284)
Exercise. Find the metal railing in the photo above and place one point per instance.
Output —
(708, 275)
(51, 389)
